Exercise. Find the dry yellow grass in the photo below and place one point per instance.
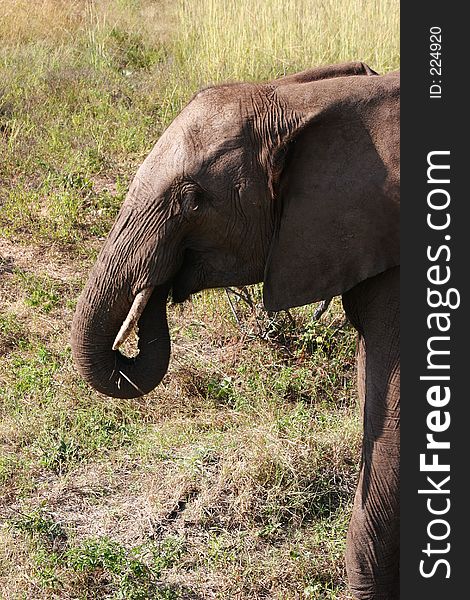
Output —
(61, 23)
(55, 20)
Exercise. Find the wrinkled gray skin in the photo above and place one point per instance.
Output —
(295, 183)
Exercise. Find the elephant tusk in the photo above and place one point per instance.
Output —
(137, 308)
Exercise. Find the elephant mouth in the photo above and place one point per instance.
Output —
(180, 292)
(182, 287)
(188, 279)
(198, 272)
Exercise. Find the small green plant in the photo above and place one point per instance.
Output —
(320, 591)
(47, 568)
(167, 553)
(58, 451)
(39, 526)
(102, 553)
(126, 573)
(295, 423)
(79, 181)
(45, 300)
(221, 390)
(8, 466)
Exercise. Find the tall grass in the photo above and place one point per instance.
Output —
(209, 41)
(222, 39)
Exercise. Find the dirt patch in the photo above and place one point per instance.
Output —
(49, 261)
(97, 501)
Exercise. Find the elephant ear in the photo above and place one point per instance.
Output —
(336, 177)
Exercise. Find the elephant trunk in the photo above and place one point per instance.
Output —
(99, 317)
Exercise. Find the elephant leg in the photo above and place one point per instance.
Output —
(372, 551)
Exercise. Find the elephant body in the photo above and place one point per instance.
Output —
(294, 183)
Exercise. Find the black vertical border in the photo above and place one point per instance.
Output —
(434, 124)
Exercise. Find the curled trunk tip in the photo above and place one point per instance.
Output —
(99, 315)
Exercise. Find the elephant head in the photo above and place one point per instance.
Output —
(292, 182)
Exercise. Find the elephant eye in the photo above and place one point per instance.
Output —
(191, 199)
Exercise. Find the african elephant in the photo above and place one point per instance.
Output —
(294, 183)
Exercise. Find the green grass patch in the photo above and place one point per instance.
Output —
(106, 567)
(51, 423)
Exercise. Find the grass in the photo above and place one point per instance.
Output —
(234, 478)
